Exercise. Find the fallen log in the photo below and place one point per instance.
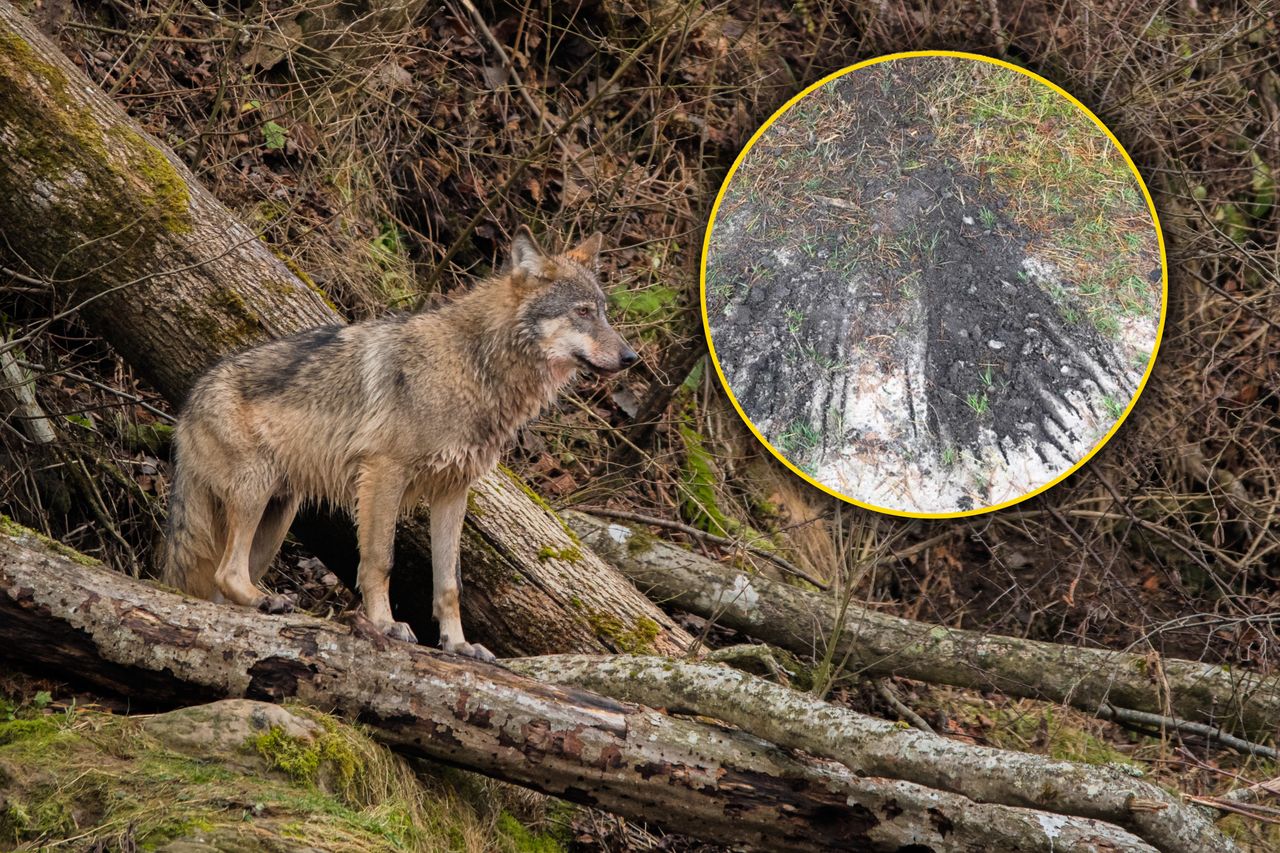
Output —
(157, 266)
(110, 632)
(874, 747)
(874, 644)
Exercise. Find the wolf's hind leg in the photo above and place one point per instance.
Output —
(379, 491)
(232, 577)
(447, 513)
(272, 529)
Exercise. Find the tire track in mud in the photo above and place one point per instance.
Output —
(994, 338)
(778, 345)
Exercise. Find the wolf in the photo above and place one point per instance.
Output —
(373, 417)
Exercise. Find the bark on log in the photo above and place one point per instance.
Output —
(169, 278)
(873, 643)
(874, 747)
(113, 633)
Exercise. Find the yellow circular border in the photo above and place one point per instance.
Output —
(715, 208)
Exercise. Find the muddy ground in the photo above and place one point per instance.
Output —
(886, 323)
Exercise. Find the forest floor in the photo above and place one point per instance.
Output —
(885, 296)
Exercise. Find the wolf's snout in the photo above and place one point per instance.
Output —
(628, 358)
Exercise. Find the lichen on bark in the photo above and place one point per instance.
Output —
(100, 180)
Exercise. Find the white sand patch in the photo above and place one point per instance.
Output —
(1133, 344)
(911, 477)
(1137, 340)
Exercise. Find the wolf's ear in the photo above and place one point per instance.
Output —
(587, 252)
(526, 255)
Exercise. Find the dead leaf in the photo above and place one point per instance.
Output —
(273, 46)
(496, 76)
(626, 400)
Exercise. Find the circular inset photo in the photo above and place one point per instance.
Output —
(933, 284)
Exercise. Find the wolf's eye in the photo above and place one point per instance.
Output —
(583, 311)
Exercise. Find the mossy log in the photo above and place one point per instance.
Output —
(162, 270)
(875, 644)
(112, 633)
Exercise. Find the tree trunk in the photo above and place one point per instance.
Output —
(117, 634)
(114, 221)
(873, 643)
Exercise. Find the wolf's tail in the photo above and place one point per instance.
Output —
(190, 559)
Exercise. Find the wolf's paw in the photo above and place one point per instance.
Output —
(277, 603)
(400, 631)
(470, 650)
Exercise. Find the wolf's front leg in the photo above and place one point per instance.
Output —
(379, 490)
(447, 512)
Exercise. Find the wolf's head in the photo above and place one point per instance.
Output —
(562, 307)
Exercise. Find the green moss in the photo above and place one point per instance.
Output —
(522, 840)
(52, 815)
(570, 553)
(307, 760)
(285, 290)
(15, 821)
(1051, 731)
(82, 778)
(473, 506)
(33, 728)
(9, 527)
(97, 183)
(14, 49)
(698, 484)
(168, 830)
(267, 212)
(764, 508)
(648, 308)
(244, 324)
(297, 757)
(227, 337)
(639, 541)
(232, 301)
(151, 438)
(163, 190)
(637, 640)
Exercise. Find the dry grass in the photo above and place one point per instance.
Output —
(388, 189)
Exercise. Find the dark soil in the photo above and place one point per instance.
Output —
(940, 277)
(985, 316)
